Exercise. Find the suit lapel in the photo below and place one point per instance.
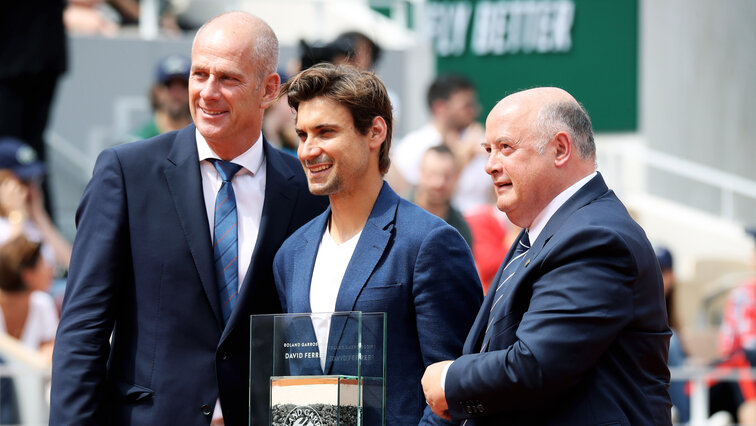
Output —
(185, 185)
(475, 337)
(518, 272)
(373, 241)
(592, 190)
(299, 286)
(589, 192)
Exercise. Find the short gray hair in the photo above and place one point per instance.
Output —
(570, 117)
(265, 51)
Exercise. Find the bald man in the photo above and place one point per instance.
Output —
(174, 250)
(573, 330)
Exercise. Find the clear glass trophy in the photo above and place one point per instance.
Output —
(318, 369)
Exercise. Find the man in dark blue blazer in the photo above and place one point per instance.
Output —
(573, 330)
(143, 267)
(372, 251)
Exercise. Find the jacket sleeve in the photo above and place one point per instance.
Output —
(447, 294)
(100, 263)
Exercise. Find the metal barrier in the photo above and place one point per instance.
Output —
(699, 376)
(629, 159)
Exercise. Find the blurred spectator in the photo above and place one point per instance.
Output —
(104, 17)
(492, 234)
(363, 53)
(738, 329)
(677, 354)
(314, 53)
(438, 179)
(127, 10)
(351, 48)
(27, 311)
(169, 98)
(33, 57)
(90, 17)
(737, 347)
(360, 51)
(21, 206)
(454, 108)
(278, 123)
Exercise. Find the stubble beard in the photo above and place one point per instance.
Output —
(330, 187)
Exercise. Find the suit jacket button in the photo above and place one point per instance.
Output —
(224, 356)
(206, 410)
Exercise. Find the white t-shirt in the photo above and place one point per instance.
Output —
(41, 321)
(474, 186)
(330, 266)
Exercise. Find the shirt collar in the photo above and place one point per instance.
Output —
(250, 159)
(543, 217)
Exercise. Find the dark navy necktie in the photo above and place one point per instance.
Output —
(225, 238)
(521, 250)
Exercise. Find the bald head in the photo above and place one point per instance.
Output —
(552, 110)
(253, 39)
(537, 97)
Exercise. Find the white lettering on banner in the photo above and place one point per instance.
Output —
(448, 23)
(502, 27)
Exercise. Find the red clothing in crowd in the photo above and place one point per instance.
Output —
(489, 231)
(738, 330)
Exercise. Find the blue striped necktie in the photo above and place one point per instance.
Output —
(225, 238)
(521, 249)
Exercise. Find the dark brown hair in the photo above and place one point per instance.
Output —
(17, 255)
(361, 92)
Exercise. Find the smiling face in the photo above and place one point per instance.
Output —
(227, 92)
(523, 178)
(337, 159)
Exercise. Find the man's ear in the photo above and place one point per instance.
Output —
(377, 132)
(563, 149)
(271, 84)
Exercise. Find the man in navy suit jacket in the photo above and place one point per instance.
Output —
(573, 329)
(372, 251)
(143, 266)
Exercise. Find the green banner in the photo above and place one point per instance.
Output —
(587, 47)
